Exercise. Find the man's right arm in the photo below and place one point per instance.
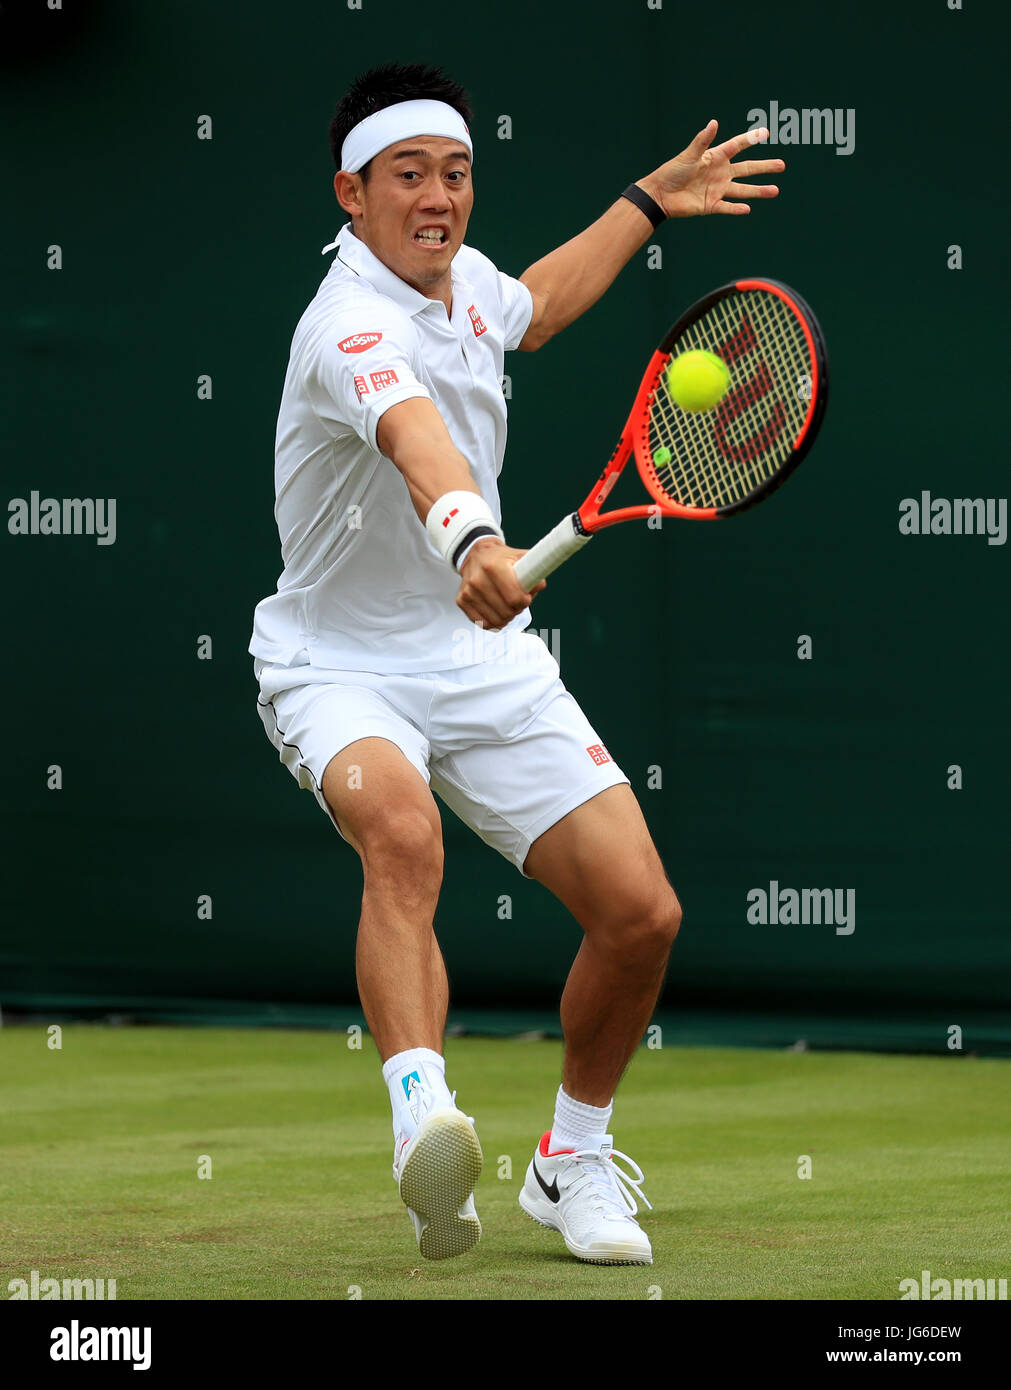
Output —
(414, 436)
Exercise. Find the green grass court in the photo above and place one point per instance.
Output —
(100, 1142)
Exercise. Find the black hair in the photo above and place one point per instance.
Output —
(385, 86)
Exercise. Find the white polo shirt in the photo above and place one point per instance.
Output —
(363, 588)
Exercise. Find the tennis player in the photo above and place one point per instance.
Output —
(393, 660)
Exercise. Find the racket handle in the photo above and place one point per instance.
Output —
(550, 552)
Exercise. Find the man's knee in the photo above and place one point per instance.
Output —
(403, 843)
(387, 813)
(659, 926)
(669, 921)
(644, 926)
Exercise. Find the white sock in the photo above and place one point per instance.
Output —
(419, 1066)
(577, 1125)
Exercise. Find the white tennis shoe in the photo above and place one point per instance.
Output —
(585, 1195)
(436, 1171)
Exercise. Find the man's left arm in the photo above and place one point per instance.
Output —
(700, 180)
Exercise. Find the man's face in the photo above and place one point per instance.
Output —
(415, 208)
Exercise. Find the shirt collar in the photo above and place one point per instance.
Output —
(356, 255)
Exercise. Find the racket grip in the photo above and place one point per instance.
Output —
(550, 552)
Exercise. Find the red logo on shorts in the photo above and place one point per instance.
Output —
(380, 380)
(599, 753)
(477, 321)
(360, 388)
(360, 342)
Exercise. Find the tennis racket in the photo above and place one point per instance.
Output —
(706, 465)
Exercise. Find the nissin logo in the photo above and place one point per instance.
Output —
(360, 342)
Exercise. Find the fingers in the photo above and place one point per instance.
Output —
(493, 598)
(751, 168)
(751, 190)
(488, 608)
(493, 595)
(704, 138)
(737, 143)
(484, 616)
(490, 593)
(480, 616)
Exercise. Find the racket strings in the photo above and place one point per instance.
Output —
(716, 457)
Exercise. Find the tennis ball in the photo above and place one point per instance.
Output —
(697, 380)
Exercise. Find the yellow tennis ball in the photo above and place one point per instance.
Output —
(697, 380)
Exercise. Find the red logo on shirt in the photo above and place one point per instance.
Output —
(360, 342)
(380, 380)
(477, 321)
(599, 753)
(360, 388)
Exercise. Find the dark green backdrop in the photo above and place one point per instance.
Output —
(184, 257)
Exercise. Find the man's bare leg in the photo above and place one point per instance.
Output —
(385, 809)
(600, 861)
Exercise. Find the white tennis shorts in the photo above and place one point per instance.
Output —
(503, 743)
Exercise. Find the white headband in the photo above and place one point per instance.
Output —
(400, 122)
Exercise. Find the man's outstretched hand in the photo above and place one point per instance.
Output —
(702, 179)
(490, 593)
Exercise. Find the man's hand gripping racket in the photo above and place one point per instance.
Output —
(706, 465)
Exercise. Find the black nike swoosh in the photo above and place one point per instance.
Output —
(551, 1192)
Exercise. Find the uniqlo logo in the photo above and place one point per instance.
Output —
(599, 753)
(477, 321)
(360, 387)
(360, 342)
(380, 380)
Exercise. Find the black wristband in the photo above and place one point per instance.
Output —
(474, 534)
(645, 204)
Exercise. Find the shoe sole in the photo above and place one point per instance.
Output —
(538, 1210)
(439, 1176)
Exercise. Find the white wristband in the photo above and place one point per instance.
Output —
(456, 521)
